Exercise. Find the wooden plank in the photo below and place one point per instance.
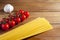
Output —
(36, 8)
(52, 17)
(40, 1)
(30, 1)
(44, 38)
(33, 6)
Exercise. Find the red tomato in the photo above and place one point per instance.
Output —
(17, 20)
(12, 23)
(21, 11)
(23, 17)
(17, 13)
(5, 26)
(26, 14)
(7, 20)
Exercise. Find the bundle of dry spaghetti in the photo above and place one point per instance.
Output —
(31, 28)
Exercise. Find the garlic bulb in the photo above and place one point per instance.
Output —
(8, 8)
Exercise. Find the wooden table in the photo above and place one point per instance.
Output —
(49, 9)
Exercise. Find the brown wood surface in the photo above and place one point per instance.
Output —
(49, 9)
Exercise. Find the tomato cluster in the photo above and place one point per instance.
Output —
(14, 19)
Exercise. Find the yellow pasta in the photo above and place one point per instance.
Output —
(34, 27)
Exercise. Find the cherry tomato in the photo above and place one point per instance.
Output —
(17, 20)
(21, 11)
(17, 13)
(7, 20)
(26, 14)
(12, 17)
(5, 26)
(23, 17)
(11, 23)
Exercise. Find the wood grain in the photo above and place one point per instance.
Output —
(30, 1)
(33, 5)
(49, 9)
(53, 17)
